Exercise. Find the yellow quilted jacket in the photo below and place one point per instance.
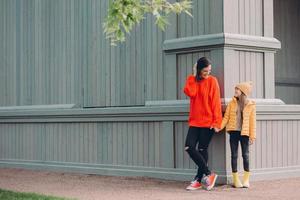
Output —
(249, 118)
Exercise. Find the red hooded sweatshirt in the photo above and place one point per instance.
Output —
(205, 102)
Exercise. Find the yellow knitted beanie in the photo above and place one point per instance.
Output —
(245, 87)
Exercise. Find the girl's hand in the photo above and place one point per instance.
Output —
(251, 141)
(215, 129)
(195, 69)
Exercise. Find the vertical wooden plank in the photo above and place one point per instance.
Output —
(182, 73)
(167, 144)
(170, 90)
(114, 144)
(157, 149)
(216, 16)
(259, 17)
(274, 142)
(73, 145)
(99, 144)
(146, 134)
(124, 134)
(247, 20)
(118, 141)
(108, 134)
(63, 143)
(252, 69)
(179, 145)
(242, 29)
(129, 143)
(269, 75)
(268, 18)
(200, 20)
(295, 143)
(90, 143)
(258, 163)
(270, 143)
(140, 66)
(298, 139)
(1, 133)
(290, 142)
(135, 142)
(206, 16)
(230, 77)
(47, 140)
(252, 22)
(106, 142)
(280, 143)
(285, 143)
(151, 144)
(2, 50)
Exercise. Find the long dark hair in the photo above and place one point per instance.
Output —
(201, 63)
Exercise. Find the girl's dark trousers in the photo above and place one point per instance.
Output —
(235, 139)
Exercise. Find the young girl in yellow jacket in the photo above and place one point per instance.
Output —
(240, 123)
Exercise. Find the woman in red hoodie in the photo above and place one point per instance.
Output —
(205, 119)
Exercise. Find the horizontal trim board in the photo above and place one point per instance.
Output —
(223, 101)
(160, 173)
(271, 173)
(151, 113)
(228, 40)
(38, 107)
(290, 82)
(275, 173)
(108, 170)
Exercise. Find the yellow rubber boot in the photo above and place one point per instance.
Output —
(236, 180)
(246, 178)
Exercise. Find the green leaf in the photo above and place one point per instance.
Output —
(123, 15)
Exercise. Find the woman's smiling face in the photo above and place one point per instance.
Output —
(205, 72)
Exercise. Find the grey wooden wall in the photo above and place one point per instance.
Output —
(277, 145)
(136, 144)
(124, 143)
(54, 52)
(287, 60)
(150, 143)
(42, 54)
(244, 17)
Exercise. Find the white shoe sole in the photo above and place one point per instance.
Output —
(192, 189)
(213, 184)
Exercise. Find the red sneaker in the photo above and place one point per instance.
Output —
(209, 181)
(195, 185)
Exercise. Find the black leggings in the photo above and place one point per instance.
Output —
(202, 137)
(235, 138)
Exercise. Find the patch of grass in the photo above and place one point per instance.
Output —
(10, 195)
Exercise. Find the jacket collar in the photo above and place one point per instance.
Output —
(250, 102)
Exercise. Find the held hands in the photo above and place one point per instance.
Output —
(217, 130)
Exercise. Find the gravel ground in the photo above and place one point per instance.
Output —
(94, 187)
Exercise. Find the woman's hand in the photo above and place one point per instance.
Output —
(251, 141)
(195, 69)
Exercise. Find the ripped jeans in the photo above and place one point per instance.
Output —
(199, 154)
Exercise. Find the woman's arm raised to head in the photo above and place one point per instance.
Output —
(190, 88)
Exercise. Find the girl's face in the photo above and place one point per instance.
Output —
(237, 92)
(205, 72)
